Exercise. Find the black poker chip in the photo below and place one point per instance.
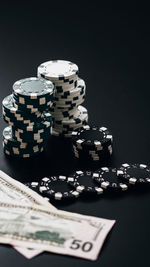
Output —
(58, 188)
(83, 181)
(92, 155)
(33, 185)
(108, 179)
(93, 137)
(134, 173)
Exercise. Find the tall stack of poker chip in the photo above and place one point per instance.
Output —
(26, 113)
(92, 143)
(67, 112)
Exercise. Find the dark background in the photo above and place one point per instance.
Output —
(111, 45)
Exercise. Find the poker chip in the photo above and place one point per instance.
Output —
(75, 90)
(83, 181)
(58, 70)
(15, 114)
(69, 92)
(21, 154)
(108, 179)
(58, 188)
(33, 185)
(134, 173)
(19, 149)
(91, 155)
(92, 137)
(92, 143)
(33, 88)
(26, 111)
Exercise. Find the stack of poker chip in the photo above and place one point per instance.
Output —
(26, 113)
(67, 112)
(92, 143)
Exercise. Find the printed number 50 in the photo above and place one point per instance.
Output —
(85, 247)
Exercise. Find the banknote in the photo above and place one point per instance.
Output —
(38, 227)
(10, 189)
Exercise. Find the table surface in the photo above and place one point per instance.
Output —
(111, 46)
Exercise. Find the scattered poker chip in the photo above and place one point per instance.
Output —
(58, 188)
(33, 88)
(134, 173)
(92, 137)
(83, 181)
(59, 70)
(33, 185)
(108, 179)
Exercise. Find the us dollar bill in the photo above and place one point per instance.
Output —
(12, 190)
(55, 231)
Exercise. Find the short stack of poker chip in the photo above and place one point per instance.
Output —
(25, 111)
(92, 143)
(67, 112)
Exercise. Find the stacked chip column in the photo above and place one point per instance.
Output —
(67, 112)
(26, 112)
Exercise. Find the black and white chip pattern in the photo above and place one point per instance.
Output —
(92, 136)
(108, 179)
(83, 181)
(134, 173)
(58, 188)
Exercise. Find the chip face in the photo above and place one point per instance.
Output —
(83, 181)
(135, 173)
(108, 179)
(33, 87)
(58, 70)
(92, 136)
(58, 188)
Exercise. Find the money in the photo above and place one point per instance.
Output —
(10, 189)
(55, 231)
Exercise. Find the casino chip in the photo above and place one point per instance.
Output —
(92, 137)
(26, 112)
(33, 185)
(58, 188)
(32, 89)
(92, 143)
(92, 155)
(19, 149)
(83, 181)
(67, 112)
(59, 70)
(108, 179)
(134, 173)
